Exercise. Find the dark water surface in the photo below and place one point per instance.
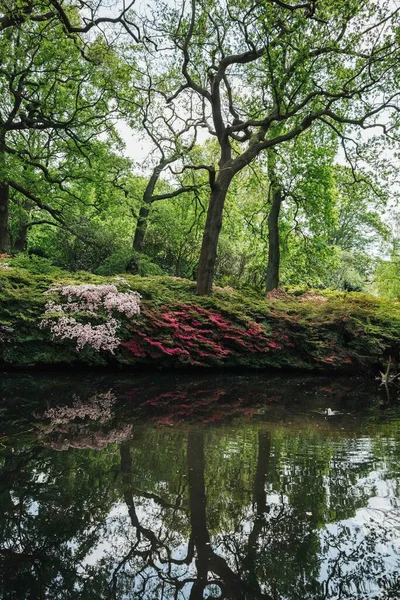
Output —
(177, 487)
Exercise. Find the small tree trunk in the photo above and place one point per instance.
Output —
(4, 198)
(147, 200)
(273, 242)
(4, 211)
(141, 227)
(260, 506)
(208, 253)
(272, 276)
(20, 242)
(19, 245)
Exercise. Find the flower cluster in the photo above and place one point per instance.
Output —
(90, 300)
(72, 426)
(191, 334)
(99, 337)
(5, 266)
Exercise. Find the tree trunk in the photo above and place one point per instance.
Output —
(4, 210)
(4, 198)
(263, 459)
(19, 245)
(141, 227)
(147, 200)
(273, 242)
(208, 253)
(20, 242)
(260, 506)
(198, 518)
(272, 276)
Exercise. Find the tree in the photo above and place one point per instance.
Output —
(56, 98)
(332, 221)
(251, 68)
(387, 275)
(75, 17)
(303, 174)
(172, 137)
(276, 194)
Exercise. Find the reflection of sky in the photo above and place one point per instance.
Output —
(368, 540)
(372, 534)
(119, 536)
(377, 524)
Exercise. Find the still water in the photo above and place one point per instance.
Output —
(175, 487)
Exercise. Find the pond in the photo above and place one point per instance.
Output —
(181, 487)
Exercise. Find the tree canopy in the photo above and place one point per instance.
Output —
(265, 137)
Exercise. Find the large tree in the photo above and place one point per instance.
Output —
(56, 98)
(261, 74)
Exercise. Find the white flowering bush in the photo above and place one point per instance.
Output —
(5, 266)
(89, 300)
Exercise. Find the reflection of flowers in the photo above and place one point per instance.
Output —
(70, 426)
(97, 408)
(4, 331)
(81, 437)
(93, 300)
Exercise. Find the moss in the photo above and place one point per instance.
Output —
(327, 331)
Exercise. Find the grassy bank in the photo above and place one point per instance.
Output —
(324, 331)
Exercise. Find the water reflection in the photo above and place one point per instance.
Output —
(95, 505)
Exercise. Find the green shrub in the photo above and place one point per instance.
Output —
(147, 267)
(126, 261)
(38, 265)
(116, 263)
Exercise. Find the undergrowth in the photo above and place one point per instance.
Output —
(330, 331)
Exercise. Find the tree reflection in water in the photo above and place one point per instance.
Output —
(242, 512)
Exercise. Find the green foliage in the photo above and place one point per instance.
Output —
(351, 272)
(387, 278)
(174, 234)
(86, 252)
(146, 267)
(75, 198)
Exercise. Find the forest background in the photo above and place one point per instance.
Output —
(250, 145)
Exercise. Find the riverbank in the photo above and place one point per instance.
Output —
(51, 317)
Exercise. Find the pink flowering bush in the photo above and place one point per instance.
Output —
(89, 300)
(99, 337)
(193, 335)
